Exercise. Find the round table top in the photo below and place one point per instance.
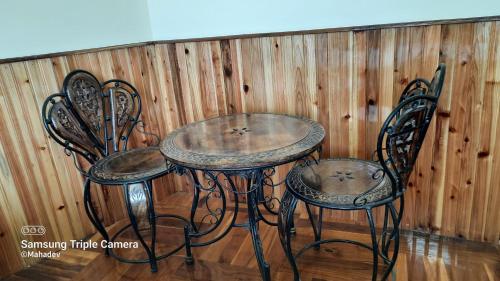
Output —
(242, 141)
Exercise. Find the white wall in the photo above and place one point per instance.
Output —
(32, 27)
(180, 19)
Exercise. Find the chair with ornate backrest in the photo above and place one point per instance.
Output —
(94, 120)
(354, 184)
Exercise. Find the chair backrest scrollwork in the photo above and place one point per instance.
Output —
(421, 86)
(90, 118)
(404, 130)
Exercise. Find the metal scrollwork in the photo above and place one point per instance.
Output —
(86, 98)
(270, 201)
(310, 158)
(138, 202)
(214, 215)
(123, 107)
(67, 124)
(379, 174)
(214, 193)
(141, 127)
(137, 194)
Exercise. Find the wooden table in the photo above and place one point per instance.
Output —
(232, 149)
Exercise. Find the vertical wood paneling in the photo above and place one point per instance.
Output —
(457, 123)
(267, 49)
(322, 85)
(481, 55)
(491, 227)
(424, 190)
(348, 81)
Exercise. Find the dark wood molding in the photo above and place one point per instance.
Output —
(252, 35)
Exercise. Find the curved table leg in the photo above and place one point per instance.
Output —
(253, 225)
(92, 214)
(196, 197)
(285, 223)
(133, 221)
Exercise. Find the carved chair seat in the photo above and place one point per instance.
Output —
(340, 183)
(135, 164)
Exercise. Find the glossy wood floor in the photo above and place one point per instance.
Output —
(421, 258)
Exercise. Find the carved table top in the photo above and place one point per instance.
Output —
(242, 141)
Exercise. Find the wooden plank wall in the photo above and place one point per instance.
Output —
(347, 80)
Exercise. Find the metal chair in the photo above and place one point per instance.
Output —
(94, 120)
(355, 184)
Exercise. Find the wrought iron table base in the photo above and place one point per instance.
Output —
(258, 180)
(285, 223)
(216, 189)
(152, 218)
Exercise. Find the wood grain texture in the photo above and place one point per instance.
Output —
(346, 80)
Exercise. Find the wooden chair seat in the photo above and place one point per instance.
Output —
(135, 164)
(340, 182)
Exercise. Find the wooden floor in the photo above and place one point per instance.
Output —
(421, 258)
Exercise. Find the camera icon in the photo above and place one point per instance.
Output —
(33, 230)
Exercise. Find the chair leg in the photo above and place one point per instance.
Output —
(293, 230)
(187, 240)
(135, 227)
(401, 209)
(373, 232)
(320, 223)
(92, 214)
(395, 234)
(152, 219)
(316, 226)
(285, 222)
(384, 242)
